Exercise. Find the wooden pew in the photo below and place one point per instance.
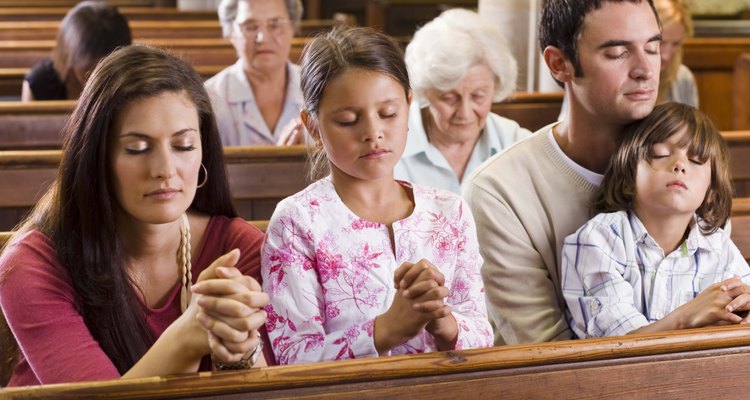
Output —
(25, 13)
(11, 79)
(178, 29)
(739, 160)
(403, 17)
(197, 51)
(37, 125)
(259, 177)
(741, 225)
(698, 363)
(741, 93)
(712, 61)
(71, 3)
(532, 110)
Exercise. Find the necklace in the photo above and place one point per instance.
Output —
(183, 261)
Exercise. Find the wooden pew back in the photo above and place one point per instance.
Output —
(259, 177)
(741, 93)
(532, 110)
(712, 61)
(38, 125)
(148, 29)
(196, 51)
(698, 363)
(53, 13)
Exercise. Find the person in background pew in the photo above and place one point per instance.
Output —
(359, 264)
(451, 128)
(96, 283)
(89, 32)
(656, 257)
(527, 199)
(257, 100)
(676, 82)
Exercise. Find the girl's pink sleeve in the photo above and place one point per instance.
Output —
(298, 311)
(467, 290)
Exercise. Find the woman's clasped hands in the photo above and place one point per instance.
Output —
(230, 309)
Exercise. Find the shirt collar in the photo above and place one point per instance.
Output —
(239, 90)
(695, 240)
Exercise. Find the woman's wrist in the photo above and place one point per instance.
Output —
(246, 362)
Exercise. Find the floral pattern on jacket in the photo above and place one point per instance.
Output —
(330, 273)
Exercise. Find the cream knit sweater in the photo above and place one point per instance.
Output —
(525, 201)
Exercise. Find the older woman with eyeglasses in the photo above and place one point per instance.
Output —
(257, 99)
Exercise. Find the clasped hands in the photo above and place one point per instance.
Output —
(722, 303)
(230, 309)
(419, 304)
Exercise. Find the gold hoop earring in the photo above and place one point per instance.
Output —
(205, 177)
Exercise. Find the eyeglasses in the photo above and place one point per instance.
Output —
(274, 26)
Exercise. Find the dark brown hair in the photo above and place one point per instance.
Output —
(561, 24)
(87, 33)
(330, 55)
(703, 141)
(78, 212)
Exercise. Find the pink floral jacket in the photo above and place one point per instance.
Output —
(329, 273)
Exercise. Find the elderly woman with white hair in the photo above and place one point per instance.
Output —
(257, 99)
(459, 65)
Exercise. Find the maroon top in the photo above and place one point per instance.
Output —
(37, 298)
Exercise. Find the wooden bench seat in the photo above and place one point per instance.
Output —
(11, 79)
(131, 13)
(694, 363)
(197, 51)
(148, 29)
(532, 110)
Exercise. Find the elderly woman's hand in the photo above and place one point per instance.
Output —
(231, 310)
(292, 133)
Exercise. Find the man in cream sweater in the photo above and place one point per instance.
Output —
(527, 199)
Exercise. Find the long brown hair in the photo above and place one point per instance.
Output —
(704, 142)
(78, 211)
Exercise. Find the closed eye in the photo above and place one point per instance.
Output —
(135, 152)
(618, 56)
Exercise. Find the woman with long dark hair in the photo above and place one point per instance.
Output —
(96, 283)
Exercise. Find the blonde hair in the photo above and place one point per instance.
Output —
(704, 142)
(672, 12)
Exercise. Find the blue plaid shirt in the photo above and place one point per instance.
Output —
(616, 278)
